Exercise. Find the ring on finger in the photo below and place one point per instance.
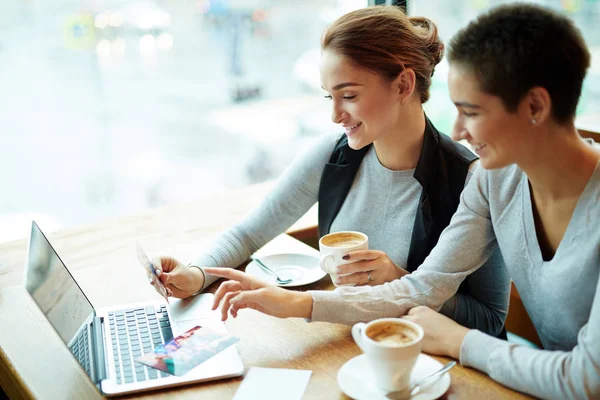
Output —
(369, 277)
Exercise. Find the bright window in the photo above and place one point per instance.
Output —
(450, 16)
(115, 106)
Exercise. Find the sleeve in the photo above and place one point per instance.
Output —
(541, 373)
(293, 195)
(484, 303)
(464, 246)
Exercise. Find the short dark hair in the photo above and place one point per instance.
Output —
(513, 48)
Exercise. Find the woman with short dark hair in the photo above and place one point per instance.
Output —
(515, 77)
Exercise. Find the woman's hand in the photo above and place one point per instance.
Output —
(373, 263)
(180, 280)
(243, 291)
(443, 336)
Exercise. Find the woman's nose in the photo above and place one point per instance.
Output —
(337, 114)
(458, 131)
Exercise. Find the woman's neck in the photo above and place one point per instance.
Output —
(400, 148)
(559, 164)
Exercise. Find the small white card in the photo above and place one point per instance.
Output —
(273, 384)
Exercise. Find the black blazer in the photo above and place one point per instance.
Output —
(441, 170)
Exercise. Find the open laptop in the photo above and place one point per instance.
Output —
(106, 341)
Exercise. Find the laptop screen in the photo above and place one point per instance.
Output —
(53, 288)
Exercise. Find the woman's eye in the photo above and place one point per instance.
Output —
(466, 114)
(329, 97)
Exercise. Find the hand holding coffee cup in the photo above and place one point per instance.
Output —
(334, 246)
(392, 346)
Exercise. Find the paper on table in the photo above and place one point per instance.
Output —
(273, 384)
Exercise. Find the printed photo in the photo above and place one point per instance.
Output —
(187, 350)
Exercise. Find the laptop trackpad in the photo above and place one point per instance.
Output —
(197, 307)
(188, 313)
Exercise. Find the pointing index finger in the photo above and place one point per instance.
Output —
(228, 273)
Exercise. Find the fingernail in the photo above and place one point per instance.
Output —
(338, 270)
(346, 257)
(338, 281)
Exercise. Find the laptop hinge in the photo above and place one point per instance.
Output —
(98, 350)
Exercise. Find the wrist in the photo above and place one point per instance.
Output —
(305, 305)
(455, 341)
(198, 277)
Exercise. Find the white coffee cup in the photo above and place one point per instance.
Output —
(392, 346)
(334, 246)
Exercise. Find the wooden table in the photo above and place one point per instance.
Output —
(34, 362)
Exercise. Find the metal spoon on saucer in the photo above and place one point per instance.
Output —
(269, 270)
(412, 390)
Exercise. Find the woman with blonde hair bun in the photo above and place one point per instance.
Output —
(391, 174)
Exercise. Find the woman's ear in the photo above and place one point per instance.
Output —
(539, 105)
(405, 84)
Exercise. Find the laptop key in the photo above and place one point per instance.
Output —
(167, 334)
(164, 324)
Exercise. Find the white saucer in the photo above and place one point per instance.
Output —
(301, 268)
(357, 381)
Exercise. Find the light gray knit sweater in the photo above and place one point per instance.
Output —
(562, 296)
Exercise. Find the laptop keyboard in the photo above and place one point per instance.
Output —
(81, 350)
(135, 332)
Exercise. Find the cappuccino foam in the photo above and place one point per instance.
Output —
(347, 243)
(343, 240)
(392, 334)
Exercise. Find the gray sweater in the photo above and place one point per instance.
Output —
(562, 296)
(381, 203)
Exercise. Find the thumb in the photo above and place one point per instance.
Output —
(157, 264)
(165, 277)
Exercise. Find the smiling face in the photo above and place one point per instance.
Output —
(364, 103)
(496, 135)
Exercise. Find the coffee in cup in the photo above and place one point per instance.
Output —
(392, 346)
(392, 333)
(334, 246)
(343, 239)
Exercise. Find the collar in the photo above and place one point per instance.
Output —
(429, 154)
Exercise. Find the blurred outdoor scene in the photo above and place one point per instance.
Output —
(110, 107)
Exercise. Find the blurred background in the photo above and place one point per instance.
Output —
(109, 107)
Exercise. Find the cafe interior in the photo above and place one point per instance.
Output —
(139, 129)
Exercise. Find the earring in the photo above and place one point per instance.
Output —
(533, 121)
